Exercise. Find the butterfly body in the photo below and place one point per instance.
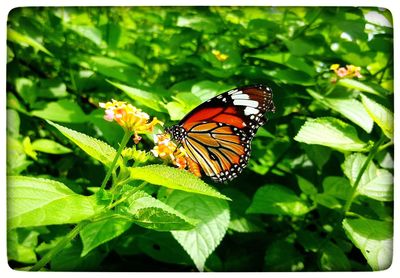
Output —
(217, 134)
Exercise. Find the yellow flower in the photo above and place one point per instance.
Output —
(220, 56)
(129, 117)
(349, 71)
(169, 151)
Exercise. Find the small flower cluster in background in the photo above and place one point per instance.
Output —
(349, 71)
(129, 117)
(168, 150)
(220, 56)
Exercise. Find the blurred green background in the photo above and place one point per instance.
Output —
(61, 62)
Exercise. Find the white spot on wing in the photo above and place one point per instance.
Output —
(242, 102)
(250, 111)
(240, 96)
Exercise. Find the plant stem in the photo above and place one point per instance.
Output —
(371, 155)
(124, 141)
(60, 245)
(130, 193)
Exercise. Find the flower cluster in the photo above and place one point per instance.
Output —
(129, 117)
(220, 56)
(168, 150)
(349, 71)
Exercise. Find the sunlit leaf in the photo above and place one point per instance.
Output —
(175, 179)
(350, 108)
(92, 146)
(374, 238)
(145, 98)
(24, 40)
(37, 202)
(213, 214)
(382, 116)
(151, 213)
(375, 183)
(99, 232)
(49, 146)
(331, 132)
(64, 111)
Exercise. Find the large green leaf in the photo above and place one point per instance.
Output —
(62, 111)
(99, 232)
(374, 238)
(49, 146)
(350, 108)
(375, 183)
(24, 40)
(151, 213)
(37, 202)
(331, 132)
(175, 179)
(277, 199)
(382, 116)
(358, 85)
(95, 148)
(143, 97)
(202, 240)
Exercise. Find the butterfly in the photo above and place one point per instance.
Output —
(217, 134)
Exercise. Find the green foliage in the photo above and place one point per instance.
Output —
(317, 194)
(38, 202)
(175, 179)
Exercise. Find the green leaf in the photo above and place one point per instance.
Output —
(374, 239)
(375, 183)
(288, 60)
(21, 244)
(277, 199)
(89, 32)
(175, 179)
(328, 201)
(99, 232)
(330, 132)
(70, 259)
(201, 241)
(13, 123)
(26, 88)
(357, 85)
(97, 149)
(350, 108)
(306, 186)
(337, 187)
(16, 157)
(282, 256)
(332, 258)
(151, 213)
(382, 116)
(111, 68)
(145, 98)
(37, 202)
(28, 149)
(49, 146)
(62, 111)
(319, 155)
(24, 40)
